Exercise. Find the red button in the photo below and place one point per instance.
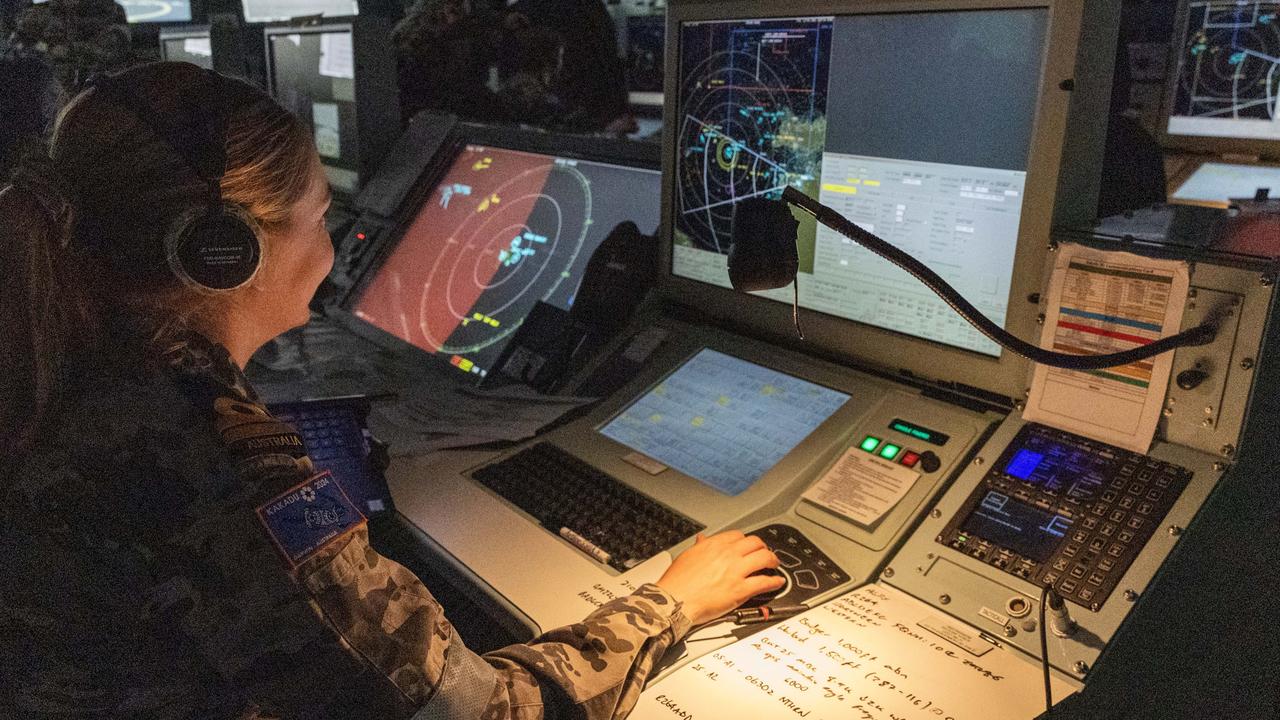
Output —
(909, 459)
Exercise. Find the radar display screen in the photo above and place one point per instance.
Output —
(502, 230)
(722, 420)
(149, 11)
(1227, 78)
(899, 121)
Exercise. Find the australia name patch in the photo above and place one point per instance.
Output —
(309, 516)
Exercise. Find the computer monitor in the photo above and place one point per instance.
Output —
(193, 44)
(1221, 96)
(646, 41)
(155, 11)
(1217, 184)
(339, 78)
(152, 11)
(511, 219)
(265, 11)
(960, 132)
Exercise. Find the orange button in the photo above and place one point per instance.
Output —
(909, 459)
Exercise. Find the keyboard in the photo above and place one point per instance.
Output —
(334, 434)
(595, 512)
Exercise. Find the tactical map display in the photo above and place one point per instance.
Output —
(502, 230)
(848, 109)
(1227, 78)
(752, 120)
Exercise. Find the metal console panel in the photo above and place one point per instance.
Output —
(1006, 606)
(549, 582)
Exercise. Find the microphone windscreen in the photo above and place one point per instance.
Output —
(762, 255)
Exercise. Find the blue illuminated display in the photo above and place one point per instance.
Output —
(1023, 464)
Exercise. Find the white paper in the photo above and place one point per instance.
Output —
(324, 119)
(1102, 302)
(432, 418)
(861, 486)
(863, 656)
(337, 56)
(589, 598)
(198, 46)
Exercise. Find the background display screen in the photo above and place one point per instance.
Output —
(502, 230)
(1019, 527)
(314, 78)
(724, 421)
(1226, 84)
(916, 126)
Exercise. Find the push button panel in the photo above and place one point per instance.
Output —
(1062, 510)
(808, 570)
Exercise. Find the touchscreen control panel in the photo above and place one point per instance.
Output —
(1058, 509)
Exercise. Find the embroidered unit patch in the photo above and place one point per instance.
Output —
(309, 516)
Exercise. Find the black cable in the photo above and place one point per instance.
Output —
(1044, 652)
(1199, 335)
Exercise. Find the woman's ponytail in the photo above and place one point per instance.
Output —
(41, 305)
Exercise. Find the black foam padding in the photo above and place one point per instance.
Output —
(763, 255)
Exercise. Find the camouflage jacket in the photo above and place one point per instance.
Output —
(142, 578)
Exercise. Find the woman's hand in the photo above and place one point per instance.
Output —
(714, 576)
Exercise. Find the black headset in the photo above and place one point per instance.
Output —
(217, 246)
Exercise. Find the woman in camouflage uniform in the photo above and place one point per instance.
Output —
(143, 574)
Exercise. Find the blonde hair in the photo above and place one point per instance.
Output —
(84, 248)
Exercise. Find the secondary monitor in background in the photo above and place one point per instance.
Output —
(265, 11)
(1222, 95)
(154, 11)
(723, 421)
(187, 44)
(941, 131)
(1216, 184)
(501, 230)
(646, 40)
(312, 71)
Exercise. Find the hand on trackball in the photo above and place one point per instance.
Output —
(715, 575)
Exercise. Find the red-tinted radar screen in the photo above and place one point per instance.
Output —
(502, 230)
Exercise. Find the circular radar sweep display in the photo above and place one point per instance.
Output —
(1230, 61)
(517, 247)
(752, 119)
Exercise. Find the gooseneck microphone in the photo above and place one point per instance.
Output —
(763, 257)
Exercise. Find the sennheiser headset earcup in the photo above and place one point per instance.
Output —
(215, 247)
(216, 250)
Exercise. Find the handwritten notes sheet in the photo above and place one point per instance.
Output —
(862, 487)
(864, 656)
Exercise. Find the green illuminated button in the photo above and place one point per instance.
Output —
(871, 443)
(890, 451)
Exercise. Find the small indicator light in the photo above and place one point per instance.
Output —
(870, 443)
(360, 236)
(889, 451)
(909, 459)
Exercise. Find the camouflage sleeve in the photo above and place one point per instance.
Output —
(593, 669)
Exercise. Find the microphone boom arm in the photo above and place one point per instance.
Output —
(1199, 335)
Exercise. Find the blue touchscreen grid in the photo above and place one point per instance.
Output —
(724, 421)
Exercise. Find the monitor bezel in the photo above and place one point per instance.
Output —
(1222, 147)
(625, 153)
(1058, 193)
